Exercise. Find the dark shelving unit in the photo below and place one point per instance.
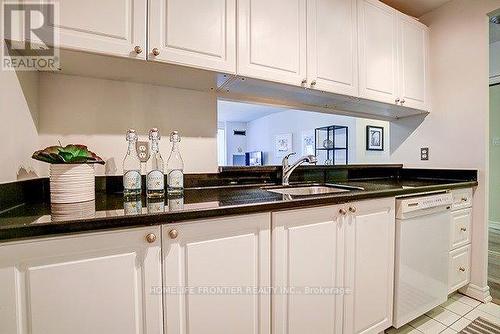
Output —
(332, 144)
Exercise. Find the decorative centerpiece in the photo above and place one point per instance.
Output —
(72, 173)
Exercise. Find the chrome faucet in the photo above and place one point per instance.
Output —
(287, 169)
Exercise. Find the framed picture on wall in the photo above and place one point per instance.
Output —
(374, 138)
(283, 145)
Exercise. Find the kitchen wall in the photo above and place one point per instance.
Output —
(97, 113)
(457, 128)
(18, 128)
(494, 215)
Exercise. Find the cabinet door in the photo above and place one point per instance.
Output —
(370, 239)
(198, 33)
(413, 63)
(307, 255)
(459, 270)
(378, 78)
(272, 40)
(96, 283)
(112, 27)
(332, 63)
(205, 264)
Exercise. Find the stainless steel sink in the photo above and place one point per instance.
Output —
(307, 190)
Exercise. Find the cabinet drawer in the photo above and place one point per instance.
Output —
(460, 228)
(459, 271)
(462, 198)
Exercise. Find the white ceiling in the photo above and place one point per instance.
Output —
(415, 8)
(228, 111)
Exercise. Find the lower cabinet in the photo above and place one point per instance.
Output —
(212, 273)
(98, 283)
(318, 252)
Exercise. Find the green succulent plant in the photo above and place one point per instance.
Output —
(69, 154)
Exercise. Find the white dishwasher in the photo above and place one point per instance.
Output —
(422, 242)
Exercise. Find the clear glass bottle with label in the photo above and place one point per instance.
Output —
(131, 167)
(155, 177)
(175, 167)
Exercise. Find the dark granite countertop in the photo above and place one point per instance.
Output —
(40, 219)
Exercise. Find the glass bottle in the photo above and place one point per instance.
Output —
(155, 177)
(175, 167)
(131, 167)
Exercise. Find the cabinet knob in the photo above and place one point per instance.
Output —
(397, 100)
(173, 234)
(403, 101)
(352, 209)
(304, 81)
(342, 211)
(313, 83)
(151, 237)
(155, 52)
(138, 49)
(464, 199)
(463, 229)
(462, 269)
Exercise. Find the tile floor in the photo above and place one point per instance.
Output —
(451, 317)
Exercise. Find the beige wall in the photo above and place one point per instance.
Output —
(97, 113)
(18, 128)
(457, 129)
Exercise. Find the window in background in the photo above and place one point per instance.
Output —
(221, 147)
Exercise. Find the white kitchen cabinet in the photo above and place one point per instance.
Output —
(112, 27)
(272, 40)
(459, 270)
(308, 252)
(224, 253)
(93, 283)
(378, 44)
(196, 33)
(332, 63)
(370, 238)
(349, 246)
(413, 63)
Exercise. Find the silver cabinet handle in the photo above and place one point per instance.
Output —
(304, 81)
(138, 49)
(462, 269)
(463, 229)
(151, 237)
(313, 83)
(397, 100)
(342, 211)
(173, 234)
(155, 52)
(403, 101)
(352, 209)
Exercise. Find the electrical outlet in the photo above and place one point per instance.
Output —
(424, 153)
(496, 141)
(142, 148)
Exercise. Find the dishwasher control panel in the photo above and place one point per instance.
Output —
(411, 204)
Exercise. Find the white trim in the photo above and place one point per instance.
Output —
(479, 293)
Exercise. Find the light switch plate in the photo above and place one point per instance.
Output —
(424, 153)
(142, 148)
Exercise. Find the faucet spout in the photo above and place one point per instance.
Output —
(287, 170)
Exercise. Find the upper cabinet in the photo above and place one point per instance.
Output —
(272, 40)
(332, 46)
(393, 56)
(378, 43)
(194, 33)
(413, 63)
(113, 27)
